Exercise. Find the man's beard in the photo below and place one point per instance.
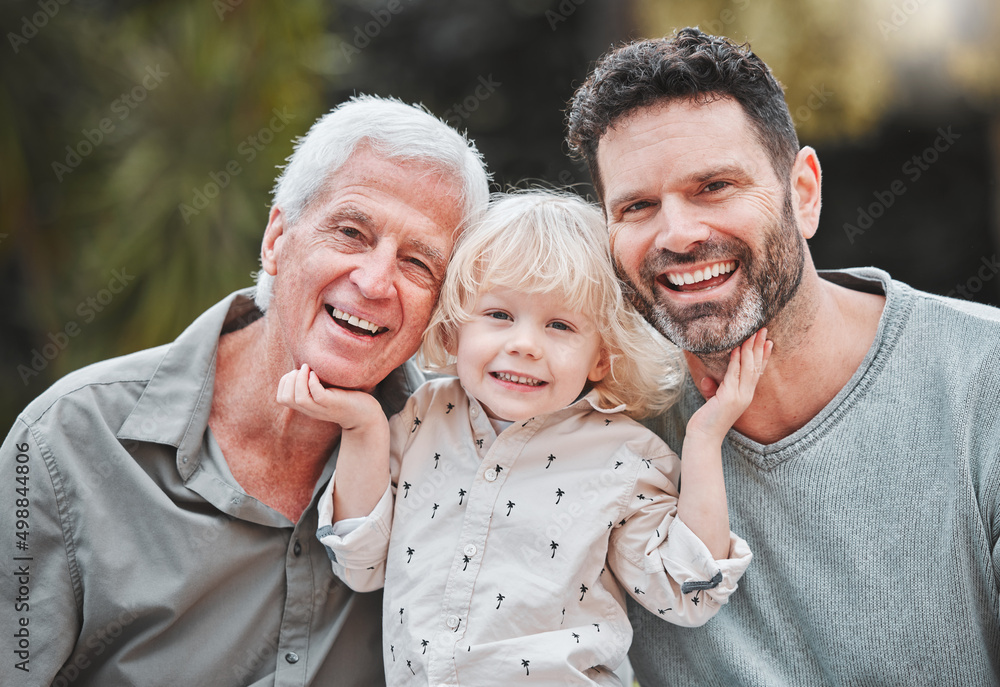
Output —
(770, 281)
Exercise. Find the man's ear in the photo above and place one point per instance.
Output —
(273, 236)
(806, 185)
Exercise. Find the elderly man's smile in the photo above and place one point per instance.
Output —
(353, 323)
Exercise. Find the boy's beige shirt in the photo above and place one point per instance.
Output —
(509, 553)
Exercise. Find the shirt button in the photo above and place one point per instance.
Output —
(490, 475)
(474, 412)
(297, 549)
(292, 657)
(470, 550)
(452, 621)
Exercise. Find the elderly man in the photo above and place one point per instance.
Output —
(164, 528)
(865, 475)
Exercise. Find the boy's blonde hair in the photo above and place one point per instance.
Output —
(542, 241)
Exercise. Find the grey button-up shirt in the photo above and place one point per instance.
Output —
(129, 554)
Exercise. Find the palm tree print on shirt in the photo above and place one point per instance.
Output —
(524, 664)
(465, 559)
(549, 460)
(559, 494)
(424, 643)
(461, 495)
(406, 489)
(409, 554)
(437, 457)
(553, 546)
(434, 510)
(510, 507)
(500, 598)
(583, 591)
(416, 423)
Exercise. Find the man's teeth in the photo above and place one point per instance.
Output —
(681, 278)
(356, 321)
(507, 377)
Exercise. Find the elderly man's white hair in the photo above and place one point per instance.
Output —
(394, 131)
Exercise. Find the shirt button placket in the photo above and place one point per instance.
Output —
(296, 614)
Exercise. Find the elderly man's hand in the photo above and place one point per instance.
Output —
(301, 390)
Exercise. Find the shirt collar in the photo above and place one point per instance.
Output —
(176, 403)
(586, 399)
(180, 390)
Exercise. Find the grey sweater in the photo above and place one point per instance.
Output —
(874, 527)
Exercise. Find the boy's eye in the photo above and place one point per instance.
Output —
(498, 315)
(562, 326)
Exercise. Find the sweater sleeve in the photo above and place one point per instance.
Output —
(661, 563)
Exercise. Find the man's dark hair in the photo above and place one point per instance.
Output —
(688, 65)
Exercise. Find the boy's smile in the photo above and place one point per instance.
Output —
(526, 354)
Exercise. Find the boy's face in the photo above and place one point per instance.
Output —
(525, 354)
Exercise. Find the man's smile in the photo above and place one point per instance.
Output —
(700, 279)
(353, 323)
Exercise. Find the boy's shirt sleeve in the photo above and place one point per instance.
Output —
(358, 548)
(660, 562)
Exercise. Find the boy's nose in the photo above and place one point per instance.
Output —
(523, 340)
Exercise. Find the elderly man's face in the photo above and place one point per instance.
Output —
(701, 226)
(357, 276)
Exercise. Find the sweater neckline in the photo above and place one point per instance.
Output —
(898, 303)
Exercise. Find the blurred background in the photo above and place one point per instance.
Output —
(139, 140)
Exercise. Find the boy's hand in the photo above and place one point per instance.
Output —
(301, 390)
(734, 394)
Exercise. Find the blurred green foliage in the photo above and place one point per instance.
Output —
(114, 117)
(868, 56)
(140, 140)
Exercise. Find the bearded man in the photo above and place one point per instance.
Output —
(865, 475)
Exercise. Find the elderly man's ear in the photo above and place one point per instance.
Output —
(806, 184)
(274, 235)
